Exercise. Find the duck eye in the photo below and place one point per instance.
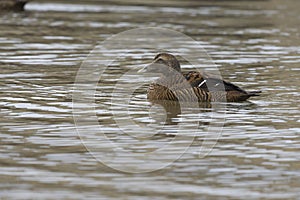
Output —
(160, 61)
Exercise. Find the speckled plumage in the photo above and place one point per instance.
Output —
(191, 86)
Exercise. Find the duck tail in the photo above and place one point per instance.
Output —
(254, 93)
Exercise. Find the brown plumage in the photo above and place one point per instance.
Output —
(190, 86)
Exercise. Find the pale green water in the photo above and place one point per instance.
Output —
(255, 45)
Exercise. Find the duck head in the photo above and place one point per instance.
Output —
(163, 63)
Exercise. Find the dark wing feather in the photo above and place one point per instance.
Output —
(204, 80)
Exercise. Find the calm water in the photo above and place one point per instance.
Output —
(255, 44)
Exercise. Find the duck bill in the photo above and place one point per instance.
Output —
(146, 68)
(153, 67)
(143, 70)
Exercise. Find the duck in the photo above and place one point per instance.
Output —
(193, 86)
(12, 5)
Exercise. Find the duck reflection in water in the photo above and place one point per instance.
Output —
(173, 110)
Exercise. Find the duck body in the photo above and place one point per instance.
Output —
(191, 86)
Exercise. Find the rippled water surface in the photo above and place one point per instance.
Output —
(255, 44)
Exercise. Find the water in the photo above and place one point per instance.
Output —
(254, 44)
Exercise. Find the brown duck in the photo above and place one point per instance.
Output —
(191, 86)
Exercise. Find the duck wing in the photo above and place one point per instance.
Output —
(210, 82)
